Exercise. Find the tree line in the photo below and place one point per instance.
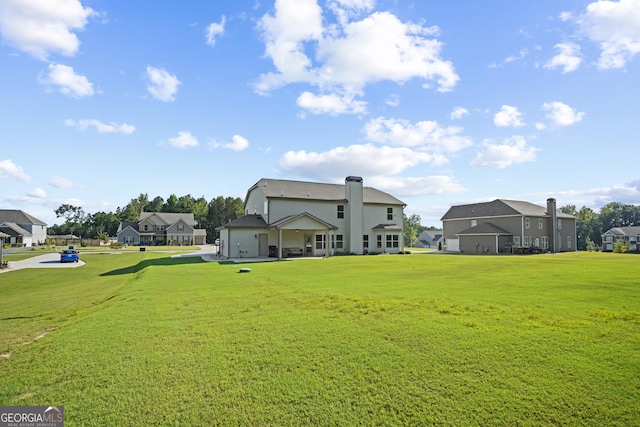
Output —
(102, 225)
(591, 225)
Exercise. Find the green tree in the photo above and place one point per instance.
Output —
(155, 205)
(410, 228)
(74, 218)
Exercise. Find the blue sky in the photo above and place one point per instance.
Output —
(438, 103)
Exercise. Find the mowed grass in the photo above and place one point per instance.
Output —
(143, 339)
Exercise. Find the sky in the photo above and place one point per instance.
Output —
(437, 103)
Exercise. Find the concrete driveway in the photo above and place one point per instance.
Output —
(49, 260)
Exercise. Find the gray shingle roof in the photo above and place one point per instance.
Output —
(19, 217)
(624, 231)
(16, 228)
(485, 228)
(499, 207)
(246, 221)
(280, 188)
(170, 218)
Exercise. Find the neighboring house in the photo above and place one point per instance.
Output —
(429, 239)
(508, 226)
(159, 228)
(630, 235)
(295, 218)
(26, 229)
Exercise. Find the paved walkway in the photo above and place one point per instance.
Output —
(48, 260)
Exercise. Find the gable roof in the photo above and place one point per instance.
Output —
(286, 189)
(624, 231)
(499, 207)
(15, 228)
(485, 228)
(168, 217)
(291, 218)
(18, 217)
(129, 224)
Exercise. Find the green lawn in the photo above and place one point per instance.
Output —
(143, 339)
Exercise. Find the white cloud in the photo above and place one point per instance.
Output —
(214, 30)
(350, 54)
(393, 100)
(331, 104)
(615, 27)
(183, 140)
(363, 160)
(458, 113)
(422, 186)
(37, 193)
(561, 114)
(426, 135)
(42, 27)
(508, 116)
(60, 182)
(569, 58)
(238, 143)
(101, 127)
(628, 193)
(162, 85)
(68, 82)
(513, 151)
(8, 169)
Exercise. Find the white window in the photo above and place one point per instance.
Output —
(180, 227)
(608, 238)
(320, 241)
(337, 241)
(265, 208)
(128, 240)
(389, 214)
(526, 241)
(568, 242)
(540, 223)
(340, 211)
(516, 240)
(379, 241)
(365, 241)
(527, 224)
(559, 224)
(545, 242)
(185, 239)
(392, 241)
(159, 227)
(474, 222)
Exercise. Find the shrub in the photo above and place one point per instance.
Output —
(621, 247)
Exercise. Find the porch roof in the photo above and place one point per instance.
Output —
(291, 218)
(485, 228)
(393, 227)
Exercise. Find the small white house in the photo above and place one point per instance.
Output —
(295, 218)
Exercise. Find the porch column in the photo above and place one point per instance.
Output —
(327, 246)
(279, 244)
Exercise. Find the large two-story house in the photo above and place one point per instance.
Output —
(628, 235)
(160, 228)
(508, 226)
(21, 228)
(295, 218)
